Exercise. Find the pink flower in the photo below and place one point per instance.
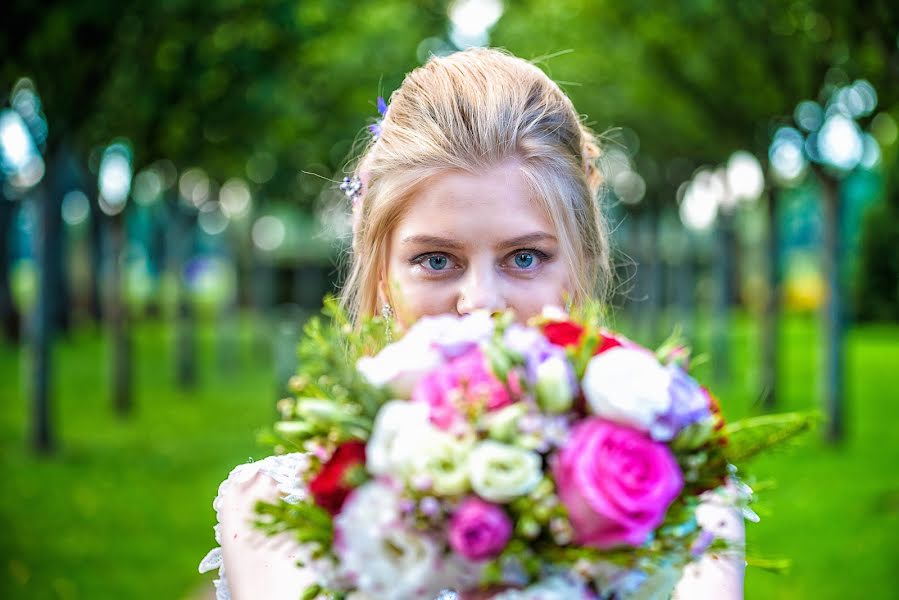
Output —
(479, 530)
(465, 382)
(616, 482)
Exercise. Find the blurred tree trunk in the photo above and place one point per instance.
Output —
(771, 315)
(685, 292)
(656, 288)
(120, 339)
(724, 267)
(9, 316)
(95, 242)
(185, 317)
(41, 325)
(833, 314)
(62, 172)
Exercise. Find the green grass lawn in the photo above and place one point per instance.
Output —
(123, 510)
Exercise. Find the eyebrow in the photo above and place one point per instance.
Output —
(441, 242)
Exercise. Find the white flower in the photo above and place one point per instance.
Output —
(398, 428)
(385, 558)
(501, 473)
(627, 386)
(388, 560)
(423, 348)
(555, 587)
(442, 459)
(399, 365)
(502, 424)
(405, 445)
(554, 389)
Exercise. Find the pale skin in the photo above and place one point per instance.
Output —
(474, 242)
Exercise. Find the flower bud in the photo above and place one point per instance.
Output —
(554, 389)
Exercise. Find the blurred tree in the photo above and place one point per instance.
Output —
(700, 79)
(877, 292)
(261, 90)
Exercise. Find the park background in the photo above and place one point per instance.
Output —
(169, 217)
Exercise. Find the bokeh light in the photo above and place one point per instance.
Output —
(745, 180)
(701, 199)
(19, 156)
(235, 198)
(840, 142)
(194, 187)
(211, 218)
(75, 207)
(629, 187)
(471, 21)
(147, 187)
(786, 156)
(268, 233)
(115, 178)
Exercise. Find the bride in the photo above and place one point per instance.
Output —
(478, 192)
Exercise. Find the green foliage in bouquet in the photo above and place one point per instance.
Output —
(332, 401)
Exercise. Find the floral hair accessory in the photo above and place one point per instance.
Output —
(375, 128)
(352, 189)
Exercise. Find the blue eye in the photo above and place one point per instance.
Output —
(438, 263)
(524, 260)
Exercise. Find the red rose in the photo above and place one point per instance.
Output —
(563, 333)
(331, 486)
(606, 342)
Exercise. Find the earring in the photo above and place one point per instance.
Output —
(387, 314)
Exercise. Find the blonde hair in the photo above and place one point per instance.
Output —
(471, 111)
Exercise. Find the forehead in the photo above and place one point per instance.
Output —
(469, 207)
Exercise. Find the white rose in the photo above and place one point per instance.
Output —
(442, 459)
(386, 559)
(400, 366)
(627, 386)
(405, 445)
(501, 473)
(397, 429)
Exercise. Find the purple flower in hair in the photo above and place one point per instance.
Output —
(375, 128)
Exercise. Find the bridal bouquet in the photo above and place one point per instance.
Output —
(475, 451)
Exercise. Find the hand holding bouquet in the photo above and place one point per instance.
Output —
(478, 451)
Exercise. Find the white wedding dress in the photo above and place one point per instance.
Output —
(253, 566)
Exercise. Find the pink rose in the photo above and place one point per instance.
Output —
(479, 530)
(616, 482)
(466, 381)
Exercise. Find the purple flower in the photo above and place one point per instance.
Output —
(534, 349)
(375, 128)
(702, 543)
(479, 530)
(689, 403)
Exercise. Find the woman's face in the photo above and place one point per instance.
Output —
(474, 242)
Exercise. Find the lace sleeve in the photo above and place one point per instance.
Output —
(244, 552)
(717, 575)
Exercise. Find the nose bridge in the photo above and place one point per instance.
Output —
(481, 289)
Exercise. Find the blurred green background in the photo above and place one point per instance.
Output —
(169, 217)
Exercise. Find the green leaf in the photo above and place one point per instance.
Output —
(749, 437)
